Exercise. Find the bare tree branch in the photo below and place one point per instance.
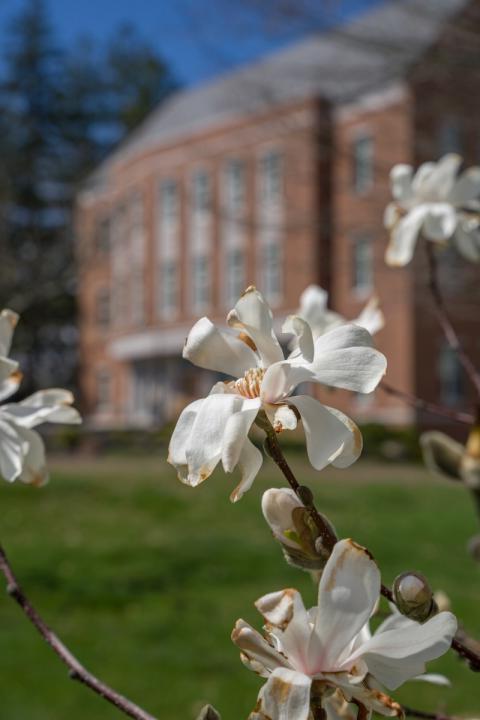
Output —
(76, 669)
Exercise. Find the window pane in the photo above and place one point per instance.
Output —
(362, 263)
(168, 200)
(449, 136)
(201, 283)
(271, 177)
(271, 272)
(235, 190)
(168, 288)
(362, 164)
(234, 276)
(201, 192)
(102, 308)
(450, 376)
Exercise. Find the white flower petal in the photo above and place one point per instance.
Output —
(256, 648)
(250, 462)
(401, 182)
(205, 444)
(236, 431)
(391, 215)
(301, 329)
(331, 437)
(371, 318)
(313, 305)
(213, 349)
(180, 439)
(467, 241)
(8, 323)
(281, 417)
(277, 507)
(34, 469)
(7, 369)
(285, 612)
(440, 221)
(466, 188)
(373, 699)
(434, 679)
(403, 237)
(421, 178)
(285, 696)
(10, 385)
(28, 416)
(397, 655)
(11, 451)
(253, 315)
(439, 182)
(344, 358)
(347, 593)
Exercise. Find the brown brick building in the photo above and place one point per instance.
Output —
(277, 175)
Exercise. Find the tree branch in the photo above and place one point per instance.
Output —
(411, 712)
(76, 669)
(462, 644)
(445, 322)
(427, 406)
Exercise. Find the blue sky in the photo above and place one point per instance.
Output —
(199, 38)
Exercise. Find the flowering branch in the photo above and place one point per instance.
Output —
(445, 322)
(427, 406)
(76, 669)
(462, 644)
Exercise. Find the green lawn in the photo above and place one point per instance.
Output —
(144, 579)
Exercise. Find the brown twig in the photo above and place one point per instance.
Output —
(445, 322)
(76, 669)
(427, 406)
(461, 643)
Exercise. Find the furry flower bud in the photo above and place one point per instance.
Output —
(294, 528)
(208, 713)
(413, 596)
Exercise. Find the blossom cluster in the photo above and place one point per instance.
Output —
(22, 452)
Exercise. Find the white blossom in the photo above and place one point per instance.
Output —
(436, 203)
(22, 452)
(216, 428)
(313, 309)
(328, 652)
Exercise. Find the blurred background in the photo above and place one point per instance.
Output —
(156, 159)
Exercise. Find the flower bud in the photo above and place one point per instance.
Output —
(442, 601)
(208, 713)
(470, 465)
(413, 596)
(294, 528)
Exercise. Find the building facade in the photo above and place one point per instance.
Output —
(277, 176)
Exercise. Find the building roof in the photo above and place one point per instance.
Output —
(338, 65)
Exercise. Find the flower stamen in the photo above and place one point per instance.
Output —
(249, 385)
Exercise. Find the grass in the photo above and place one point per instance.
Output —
(143, 578)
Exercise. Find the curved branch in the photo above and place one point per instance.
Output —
(427, 406)
(76, 669)
(462, 644)
(445, 322)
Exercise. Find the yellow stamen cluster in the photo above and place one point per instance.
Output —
(249, 385)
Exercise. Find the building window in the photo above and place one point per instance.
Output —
(103, 389)
(271, 272)
(168, 289)
(363, 164)
(235, 185)
(234, 276)
(138, 296)
(449, 136)
(169, 203)
(271, 178)
(200, 283)
(450, 376)
(102, 235)
(362, 263)
(201, 197)
(102, 308)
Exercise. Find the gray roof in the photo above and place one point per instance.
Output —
(338, 65)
